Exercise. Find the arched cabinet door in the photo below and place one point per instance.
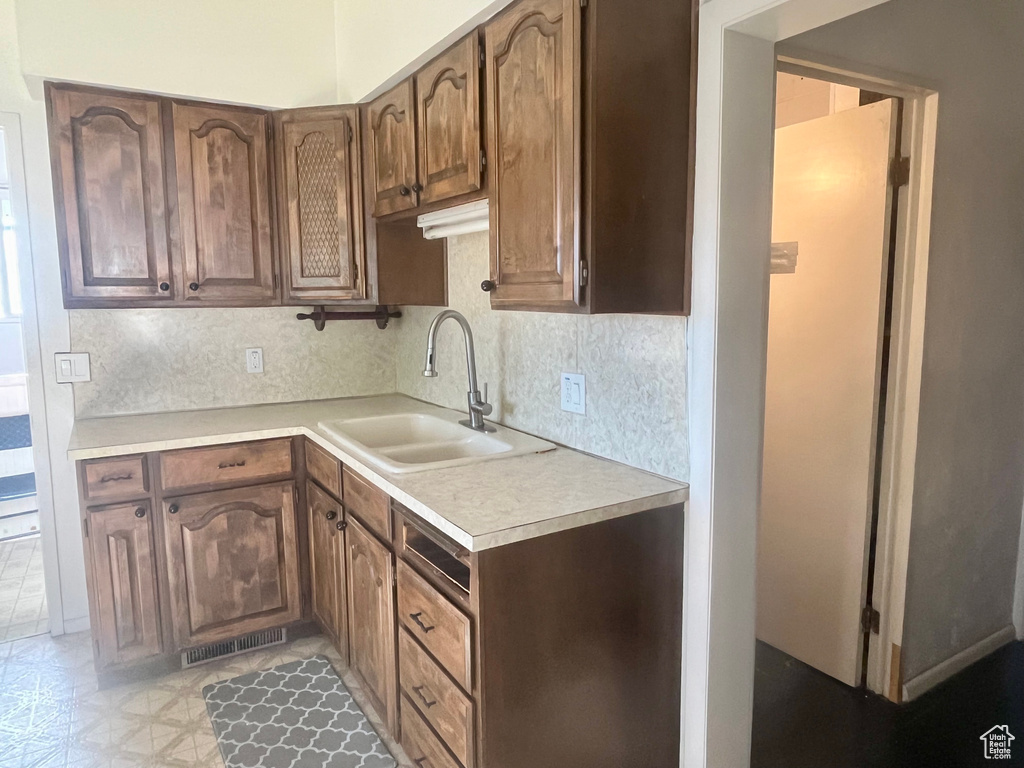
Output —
(533, 123)
(232, 562)
(448, 107)
(223, 223)
(326, 524)
(108, 174)
(391, 133)
(371, 623)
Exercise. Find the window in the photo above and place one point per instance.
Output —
(10, 280)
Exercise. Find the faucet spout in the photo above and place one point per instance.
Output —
(478, 406)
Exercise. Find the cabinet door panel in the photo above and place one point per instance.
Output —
(392, 138)
(223, 204)
(321, 204)
(232, 562)
(327, 565)
(448, 104)
(111, 210)
(533, 108)
(371, 606)
(124, 581)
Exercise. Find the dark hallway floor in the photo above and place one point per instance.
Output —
(805, 719)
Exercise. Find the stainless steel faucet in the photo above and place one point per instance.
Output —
(478, 406)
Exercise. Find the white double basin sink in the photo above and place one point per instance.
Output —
(414, 441)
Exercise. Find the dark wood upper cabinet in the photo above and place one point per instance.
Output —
(108, 179)
(533, 98)
(123, 561)
(320, 204)
(392, 150)
(448, 123)
(220, 161)
(590, 197)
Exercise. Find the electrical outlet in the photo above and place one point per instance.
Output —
(574, 393)
(254, 360)
(72, 367)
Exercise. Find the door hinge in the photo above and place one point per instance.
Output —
(870, 620)
(899, 171)
(584, 272)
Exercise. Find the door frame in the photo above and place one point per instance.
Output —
(727, 353)
(10, 122)
(899, 447)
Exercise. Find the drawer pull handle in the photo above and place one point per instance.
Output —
(418, 690)
(116, 478)
(331, 514)
(229, 464)
(140, 512)
(173, 509)
(416, 617)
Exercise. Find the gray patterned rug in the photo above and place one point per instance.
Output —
(296, 715)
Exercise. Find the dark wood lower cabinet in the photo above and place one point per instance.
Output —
(371, 611)
(327, 565)
(232, 562)
(120, 542)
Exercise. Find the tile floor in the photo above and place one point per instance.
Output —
(22, 591)
(52, 714)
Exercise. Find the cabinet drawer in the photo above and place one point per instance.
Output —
(323, 468)
(117, 478)
(420, 743)
(437, 698)
(433, 620)
(368, 503)
(220, 464)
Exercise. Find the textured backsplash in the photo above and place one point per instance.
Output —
(635, 368)
(179, 359)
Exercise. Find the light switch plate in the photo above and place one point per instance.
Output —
(72, 367)
(254, 360)
(574, 393)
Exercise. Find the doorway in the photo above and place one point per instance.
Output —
(23, 606)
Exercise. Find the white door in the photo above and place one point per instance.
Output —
(831, 197)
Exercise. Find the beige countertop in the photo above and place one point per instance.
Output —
(481, 505)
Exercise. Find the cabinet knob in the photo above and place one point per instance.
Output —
(342, 525)
(331, 514)
(193, 286)
(488, 285)
(165, 286)
(404, 191)
(417, 187)
(173, 509)
(140, 512)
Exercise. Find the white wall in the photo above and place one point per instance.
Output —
(969, 478)
(377, 39)
(278, 54)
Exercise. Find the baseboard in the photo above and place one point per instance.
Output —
(942, 672)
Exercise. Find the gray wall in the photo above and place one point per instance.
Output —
(968, 484)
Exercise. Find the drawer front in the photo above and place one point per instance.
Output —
(220, 464)
(323, 468)
(117, 478)
(437, 698)
(432, 619)
(420, 743)
(369, 503)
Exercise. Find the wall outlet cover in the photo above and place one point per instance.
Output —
(574, 393)
(72, 367)
(254, 360)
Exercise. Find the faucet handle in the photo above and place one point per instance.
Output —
(485, 391)
(485, 407)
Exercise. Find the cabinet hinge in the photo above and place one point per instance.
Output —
(584, 272)
(584, 3)
(483, 58)
(870, 620)
(483, 159)
(85, 527)
(350, 133)
(899, 171)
